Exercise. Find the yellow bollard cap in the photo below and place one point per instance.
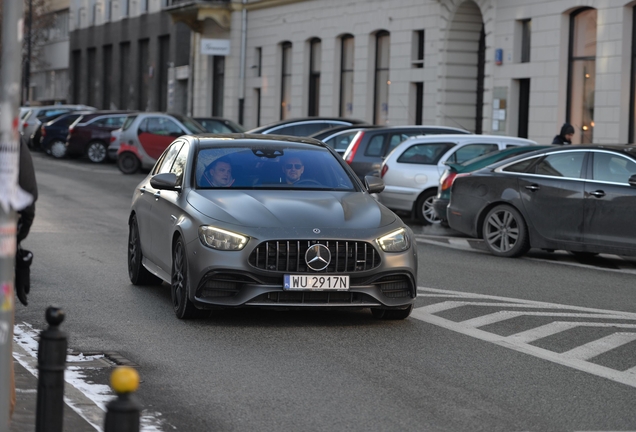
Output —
(124, 379)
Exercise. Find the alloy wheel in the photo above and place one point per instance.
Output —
(58, 149)
(429, 212)
(178, 277)
(502, 231)
(96, 152)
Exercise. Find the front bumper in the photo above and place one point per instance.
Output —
(226, 279)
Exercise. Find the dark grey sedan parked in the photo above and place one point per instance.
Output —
(268, 221)
(575, 198)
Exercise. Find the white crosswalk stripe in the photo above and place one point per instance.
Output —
(554, 318)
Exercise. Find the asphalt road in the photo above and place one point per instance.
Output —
(245, 370)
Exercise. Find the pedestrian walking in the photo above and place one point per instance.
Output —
(565, 136)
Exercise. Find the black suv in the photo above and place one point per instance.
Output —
(370, 146)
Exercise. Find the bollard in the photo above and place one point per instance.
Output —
(123, 413)
(51, 365)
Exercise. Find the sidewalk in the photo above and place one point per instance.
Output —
(23, 419)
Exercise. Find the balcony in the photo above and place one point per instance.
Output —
(194, 12)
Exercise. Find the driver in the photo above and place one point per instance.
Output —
(293, 168)
(219, 173)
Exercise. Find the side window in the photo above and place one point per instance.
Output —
(569, 164)
(612, 168)
(102, 122)
(395, 140)
(342, 141)
(471, 151)
(168, 159)
(287, 130)
(110, 122)
(143, 126)
(129, 121)
(163, 126)
(521, 167)
(307, 129)
(425, 154)
(178, 167)
(375, 146)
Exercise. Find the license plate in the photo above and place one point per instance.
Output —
(304, 282)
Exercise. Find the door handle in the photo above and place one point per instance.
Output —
(598, 194)
(157, 195)
(533, 187)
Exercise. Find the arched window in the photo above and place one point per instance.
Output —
(285, 88)
(582, 75)
(346, 76)
(382, 82)
(314, 76)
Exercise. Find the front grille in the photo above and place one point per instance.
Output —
(289, 256)
(313, 298)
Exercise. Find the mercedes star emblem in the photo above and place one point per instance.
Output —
(318, 257)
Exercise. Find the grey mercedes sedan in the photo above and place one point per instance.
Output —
(243, 220)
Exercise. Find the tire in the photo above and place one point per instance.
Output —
(97, 152)
(505, 232)
(128, 163)
(137, 273)
(392, 314)
(180, 284)
(424, 211)
(58, 149)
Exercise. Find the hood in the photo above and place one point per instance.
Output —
(278, 209)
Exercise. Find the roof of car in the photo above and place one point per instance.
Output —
(215, 139)
(344, 128)
(468, 136)
(304, 119)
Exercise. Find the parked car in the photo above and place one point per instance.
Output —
(144, 136)
(36, 136)
(573, 198)
(304, 127)
(339, 138)
(32, 117)
(219, 125)
(320, 242)
(90, 134)
(369, 147)
(440, 202)
(412, 170)
(52, 135)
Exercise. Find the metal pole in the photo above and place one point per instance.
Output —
(11, 66)
(49, 411)
(241, 113)
(27, 64)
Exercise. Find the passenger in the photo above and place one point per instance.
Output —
(218, 173)
(565, 136)
(293, 168)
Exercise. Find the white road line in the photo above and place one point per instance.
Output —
(506, 315)
(600, 346)
(458, 242)
(559, 326)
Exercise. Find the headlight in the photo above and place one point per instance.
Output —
(220, 239)
(396, 241)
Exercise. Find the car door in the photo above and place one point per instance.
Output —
(552, 196)
(156, 133)
(165, 209)
(609, 199)
(147, 218)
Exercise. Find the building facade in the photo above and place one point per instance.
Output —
(510, 67)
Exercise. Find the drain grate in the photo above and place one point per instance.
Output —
(98, 359)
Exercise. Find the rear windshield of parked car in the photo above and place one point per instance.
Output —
(266, 167)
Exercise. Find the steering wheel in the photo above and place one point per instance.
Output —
(307, 182)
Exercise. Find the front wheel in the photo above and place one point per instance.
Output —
(505, 232)
(96, 152)
(58, 149)
(424, 211)
(180, 283)
(128, 163)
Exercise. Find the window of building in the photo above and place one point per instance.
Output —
(285, 95)
(417, 55)
(125, 8)
(124, 75)
(59, 27)
(524, 33)
(417, 108)
(108, 10)
(144, 6)
(107, 64)
(582, 75)
(382, 82)
(218, 83)
(258, 106)
(632, 106)
(258, 58)
(315, 49)
(77, 75)
(90, 76)
(346, 76)
(143, 85)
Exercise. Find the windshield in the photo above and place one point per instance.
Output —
(263, 166)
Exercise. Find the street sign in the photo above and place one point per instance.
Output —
(216, 47)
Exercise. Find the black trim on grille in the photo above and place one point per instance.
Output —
(289, 256)
(313, 297)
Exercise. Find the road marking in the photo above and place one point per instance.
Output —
(577, 358)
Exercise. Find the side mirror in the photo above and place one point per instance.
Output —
(632, 180)
(374, 184)
(164, 181)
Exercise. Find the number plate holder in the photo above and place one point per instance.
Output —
(316, 282)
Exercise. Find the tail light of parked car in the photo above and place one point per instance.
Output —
(385, 168)
(350, 154)
(447, 179)
(43, 131)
